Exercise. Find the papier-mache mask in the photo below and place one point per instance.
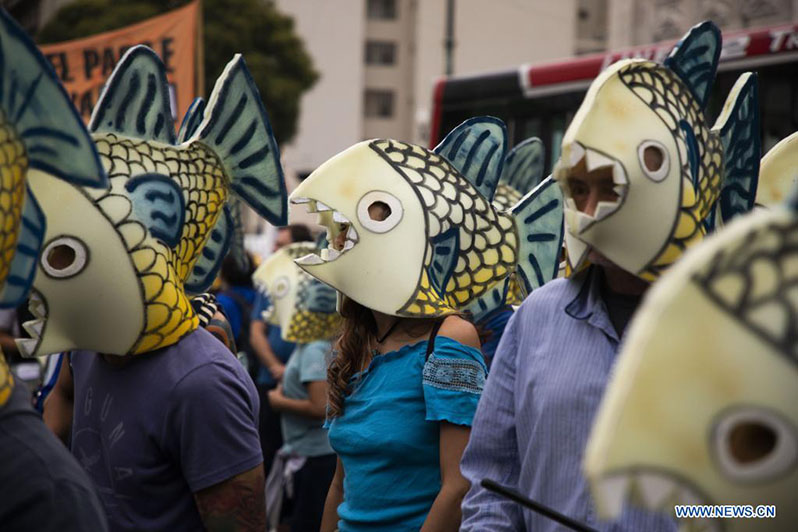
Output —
(702, 407)
(418, 238)
(303, 307)
(40, 131)
(512, 176)
(117, 262)
(643, 123)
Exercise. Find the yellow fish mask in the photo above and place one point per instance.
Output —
(702, 407)
(303, 307)
(644, 123)
(40, 131)
(438, 244)
(117, 262)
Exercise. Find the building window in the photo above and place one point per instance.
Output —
(380, 53)
(381, 9)
(379, 103)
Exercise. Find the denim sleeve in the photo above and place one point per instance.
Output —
(492, 450)
(453, 378)
(212, 425)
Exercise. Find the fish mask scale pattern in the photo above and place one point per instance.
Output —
(487, 245)
(303, 307)
(162, 271)
(670, 99)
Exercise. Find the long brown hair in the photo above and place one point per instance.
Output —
(352, 349)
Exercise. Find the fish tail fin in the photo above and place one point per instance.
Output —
(39, 112)
(523, 166)
(539, 219)
(237, 128)
(738, 129)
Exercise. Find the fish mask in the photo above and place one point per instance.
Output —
(643, 124)
(415, 236)
(117, 262)
(477, 149)
(301, 306)
(702, 406)
(40, 131)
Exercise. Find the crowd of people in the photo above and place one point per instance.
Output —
(450, 326)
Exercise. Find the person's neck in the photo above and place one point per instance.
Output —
(622, 282)
(383, 321)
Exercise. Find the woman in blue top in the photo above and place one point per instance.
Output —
(399, 420)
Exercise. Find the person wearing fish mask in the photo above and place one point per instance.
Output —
(412, 241)
(641, 173)
(304, 310)
(165, 419)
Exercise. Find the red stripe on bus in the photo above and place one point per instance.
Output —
(437, 106)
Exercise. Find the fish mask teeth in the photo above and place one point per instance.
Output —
(309, 260)
(321, 207)
(351, 234)
(340, 218)
(596, 160)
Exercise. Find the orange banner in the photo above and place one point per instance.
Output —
(84, 64)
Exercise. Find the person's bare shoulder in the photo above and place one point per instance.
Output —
(460, 329)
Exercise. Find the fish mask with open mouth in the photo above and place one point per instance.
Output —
(643, 123)
(702, 406)
(412, 236)
(117, 262)
(40, 131)
(303, 307)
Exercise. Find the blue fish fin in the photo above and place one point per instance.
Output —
(491, 300)
(711, 221)
(445, 248)
(237, 249)
(738, 128)
(320, 298)
(26, 255)
(237, 128)
(158, 203)
(539, 219)
(477, 148)
(523, 166)
(212, 256)
(695, 59)
(191, 120)
(34, 102)
(135, 101)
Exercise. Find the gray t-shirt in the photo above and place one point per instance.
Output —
(302, 435)
(42, 487)
(165, 425)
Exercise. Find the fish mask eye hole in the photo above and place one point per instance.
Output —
(64, 257)
(379, 211)
(754, 444)
(654, 160)
(280, 287)
(750, 441)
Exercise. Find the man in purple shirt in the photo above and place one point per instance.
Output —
(170, 437)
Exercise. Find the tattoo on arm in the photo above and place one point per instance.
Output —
(236, 504)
